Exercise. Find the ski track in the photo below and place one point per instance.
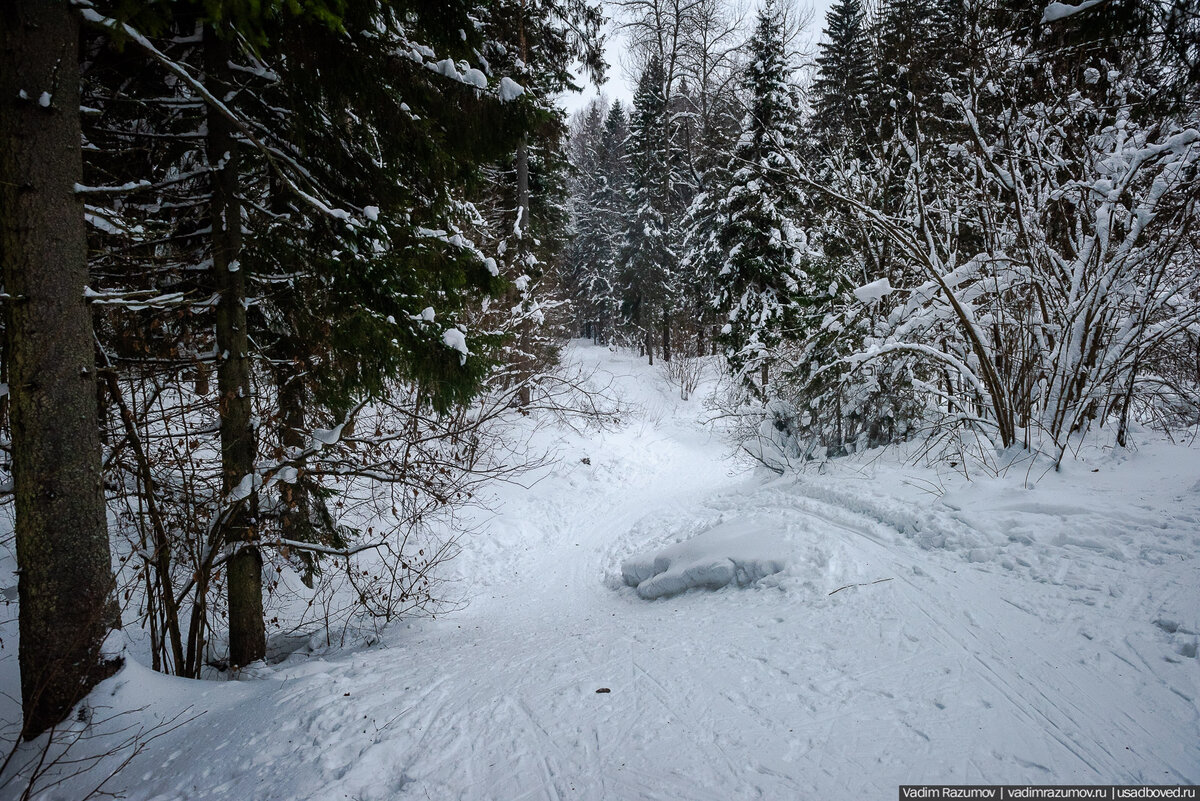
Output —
(990, 656)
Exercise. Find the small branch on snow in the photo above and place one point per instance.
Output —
(868, 584)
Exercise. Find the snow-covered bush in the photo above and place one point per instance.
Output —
(1037, 238)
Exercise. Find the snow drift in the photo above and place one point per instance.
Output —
(734, 553)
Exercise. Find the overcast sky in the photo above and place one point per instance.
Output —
(620, 84)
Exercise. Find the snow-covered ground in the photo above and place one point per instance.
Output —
(908, 627)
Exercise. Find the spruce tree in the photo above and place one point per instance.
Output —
(590, 240)
(65, 574)
(646, 255)
(349, 169)
(844, 75)
(610, 205)
(760, 284)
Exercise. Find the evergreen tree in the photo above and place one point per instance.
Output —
(610, 202)
(764, 276)
(65, 578)
(844, 76)
(646, 256)
(590, 253)
(349, 169)
(920, 46)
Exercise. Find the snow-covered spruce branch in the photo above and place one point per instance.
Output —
(285, 164)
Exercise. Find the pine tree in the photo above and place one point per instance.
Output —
(844, 75)
(646, 255)
(610, 200)
(920, 57)
(702, 253)
(589, 256)
(65, 583)
(761, 283)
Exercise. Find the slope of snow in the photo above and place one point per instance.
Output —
(919, 628)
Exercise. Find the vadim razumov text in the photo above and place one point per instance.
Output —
(1030, 792)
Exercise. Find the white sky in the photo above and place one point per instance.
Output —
(620, 83)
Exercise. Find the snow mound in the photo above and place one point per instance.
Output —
(733, 553)
(873, 291)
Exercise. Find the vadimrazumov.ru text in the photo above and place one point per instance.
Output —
(1018, 792)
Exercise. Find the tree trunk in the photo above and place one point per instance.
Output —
(666, 337)
(650, 344)
(202, 376)
(523, 186)
(65, 584)
(525, 369)
(1126, 404)
(294, 518)
(247, 633)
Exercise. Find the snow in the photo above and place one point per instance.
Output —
(731, 554)
(457, 340)
(327, 436)
(249, 483)
(869, 293)
(1030, 627)
(1056, 11)
(475, 78)
(510, 90)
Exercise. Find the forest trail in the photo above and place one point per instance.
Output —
(1019, 636)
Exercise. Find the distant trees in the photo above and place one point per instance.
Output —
(845, 79)
(646, 255)
(1008, 188)
(598, 201)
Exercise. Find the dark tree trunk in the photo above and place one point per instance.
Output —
(666, 337)
(247, 633)
(295, 519)
(523, 185)
(66, 584)
(650, 344)
(202, 376)
(524, 396)
(1126, 404)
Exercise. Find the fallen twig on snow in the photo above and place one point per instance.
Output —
(868, 584)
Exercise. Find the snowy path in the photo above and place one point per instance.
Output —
(1015, 641)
